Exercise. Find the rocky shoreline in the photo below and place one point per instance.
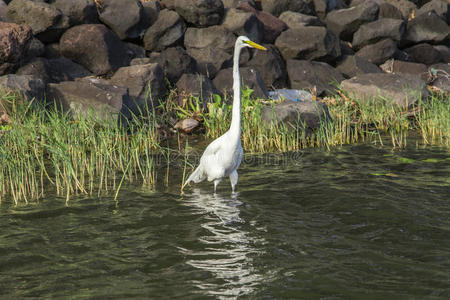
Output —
(120, 55)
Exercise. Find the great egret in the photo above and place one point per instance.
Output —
(224, 155)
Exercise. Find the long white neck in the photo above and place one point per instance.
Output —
(235, 128)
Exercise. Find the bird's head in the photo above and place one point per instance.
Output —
(246, 42)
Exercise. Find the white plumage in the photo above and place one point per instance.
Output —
(224, 155)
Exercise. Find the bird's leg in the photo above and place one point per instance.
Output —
(234, 180)
(216, 183)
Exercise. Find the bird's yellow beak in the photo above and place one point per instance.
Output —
(255, 45)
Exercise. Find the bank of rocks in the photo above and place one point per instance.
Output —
(146, 47)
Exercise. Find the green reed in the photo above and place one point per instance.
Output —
(46, 150)
(433, 120)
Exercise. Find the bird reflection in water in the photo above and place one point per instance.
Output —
(227, 248)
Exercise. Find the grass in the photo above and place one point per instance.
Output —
(43, 151)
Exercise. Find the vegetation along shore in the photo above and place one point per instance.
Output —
(90, 102)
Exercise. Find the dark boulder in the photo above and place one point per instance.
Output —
(211, 60)
(306, 114)
(29, 86)
(441, 8)
(345, 22)
(200, 13)
(145, 83)
(217, 37)
(244, 23)
(427, 28)
(444, 51)
(52, 51)
(402, 89)
(272, 25)
(379, 52)
(398, 66)
(250, 78)
(198, 86)
(35, 48)
(3, 8)
(353, 65)
(236, 3)
(277, 7)
(175, 61)
(376, 31)
(95, 47)
(151, 11)
(424, 53)
(271, 66)
(389, 11)
(406, 7)
(140, 61)
(47, 22)
(167, 31)
(78, 11)
(135, 51)
(88, 97)
(323, 7)
(309, 75)
(311, 43)
(53, 70)
(294, 20)
(14, 43)
(124, 17)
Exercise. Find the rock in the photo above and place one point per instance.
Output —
(88, 97)
(424, 53)
(211, 60)
(3, 8)
(323, 7)
(277, 7)
(95, 47)
(353, 65)
(444, 51)
(52, 51)
(134, 51)
(124, 17)
(271, 66)
(346, 48)
(272, 25)
(403, 89)
(47, 22)
(140, 61)
(406, 7)
(175, 62)
(427, 28)
(29, 86)
(35, 48)
(201, 13)
(78, 11)
(311, 43)
(151, 10)
(379, 52)
(250, 78)
(236, 3)
(217, 37)
(441, 8)
(345, 22)
(440, 77)
(244, 23)
(388, 11)
(14, 44)
(305, 114)
(294, 20)
(145, 83)
(398, 66)
(169, 4)
(309, 75)
(376, 31)
(187, 125)
(167, 31)
(198, 86)
(53, 70)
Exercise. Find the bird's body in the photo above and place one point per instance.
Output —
(224, 155)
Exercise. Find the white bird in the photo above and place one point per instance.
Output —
(224, 155)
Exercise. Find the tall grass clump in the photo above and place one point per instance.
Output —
(433, 120)
(46, 150)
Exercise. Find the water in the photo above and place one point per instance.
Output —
(359, 222)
